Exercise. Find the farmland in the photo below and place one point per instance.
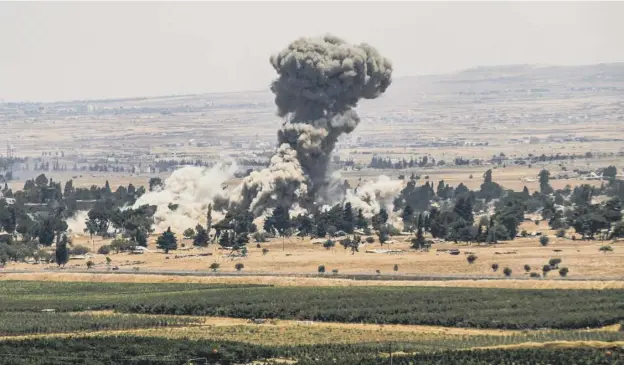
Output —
(165, 323)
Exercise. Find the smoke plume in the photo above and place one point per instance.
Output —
(320, 83)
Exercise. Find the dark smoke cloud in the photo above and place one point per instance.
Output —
(319, 84)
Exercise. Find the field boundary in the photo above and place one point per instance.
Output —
(355, 277)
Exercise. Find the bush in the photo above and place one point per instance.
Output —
(471, 258)
(554, 263)
(537, 222)
(108, 261)
(329, 244)
(546, 269)
(561, 233)
(215, 266)
(396, 267)
(239, 266)
(104, 250)
(265, 251)
(370, 239)
(494, 267)
(535, 275)
(321, 269)
(563, 272)
(90, 264)
(544, 240)
(527, 268)
(189, 233)
(335, 271)
(79, 250)
(524, 233)
(507, 271)
(393, 231)
(606, 248)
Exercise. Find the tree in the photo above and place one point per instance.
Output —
(108, 261)
(215, 266)
(408, 218)
(419, 242)
(62, 253)
(383, 235)
(265, 251)
(167, 241)
(563, 272)
(471, 258)
(46, 233)
(321, 269)
(329, 244)
(239, 266)
(361, 221)
(201, 236)
(154, 183)
(507, 271)
(544, 181)
(396, 267)
(90, 264)
(544, 240)
(610, 172)
(348, 219)
(527, 268)
(494, 267)
(279, 220)
(208, 222)
(463, 208)
(189, 233)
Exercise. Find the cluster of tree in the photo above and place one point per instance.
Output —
(386, 163)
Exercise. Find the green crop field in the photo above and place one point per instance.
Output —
(459, 307)
(132, 323)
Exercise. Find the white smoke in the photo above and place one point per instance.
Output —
(192, 189)
(76, 224)
(374, 195)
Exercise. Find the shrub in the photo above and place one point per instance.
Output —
(471, 258)
(537, 222)
(265, 251)
(546, 269)
(239, 266)
(561, 233)
(544, 240)
(396, 267)
(494, 267)
(563, 272)
(90, 264)
(393, 231)
(215, 266)
(378, 272)
(535, 275)
(507, 271)
(606, 248)
(321, 269)
(524, 233)
(189, 233)
(554, 263)
(108, 261)
(329, 244)
(527, 268)
(335, 271)
(370, 239)
(79, 250)
(104, 250)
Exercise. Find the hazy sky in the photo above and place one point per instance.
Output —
(59, 51)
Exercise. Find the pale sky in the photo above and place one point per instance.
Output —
(64, 51)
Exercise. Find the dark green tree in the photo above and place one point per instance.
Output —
(167, 241)
(62, 253)
(201, 236)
